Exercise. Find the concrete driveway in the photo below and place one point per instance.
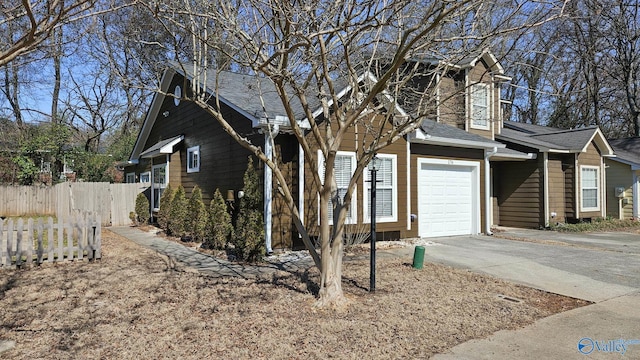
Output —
(594, 267)
(600, 267)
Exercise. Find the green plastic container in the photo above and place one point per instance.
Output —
(418, 257)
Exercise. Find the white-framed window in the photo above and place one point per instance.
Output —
(386, 190)
(480, 106)
(344, 167)
(145, 177)
(589, 188)
(193, 159)
(159, 183)
(130, 178)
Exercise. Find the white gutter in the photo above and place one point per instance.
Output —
(487, 191)
(545, 157)
(269, 134)
(436, 140)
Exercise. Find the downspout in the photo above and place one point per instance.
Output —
(301, 183)
(409, 185)
(153, 205)
(269, 135)
(576, 185)
(603, 188)
(545, 179)
(488, 217)
(636, 188)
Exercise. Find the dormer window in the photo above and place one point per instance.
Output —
(480, 106)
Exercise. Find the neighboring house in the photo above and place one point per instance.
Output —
(435, 182)
(623, 179)
(563, 181)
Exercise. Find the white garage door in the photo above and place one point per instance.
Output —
(448, 198)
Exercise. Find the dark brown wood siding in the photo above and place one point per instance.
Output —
(283, 233)
(519, 188)
(352, 142)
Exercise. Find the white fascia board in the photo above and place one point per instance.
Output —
(601, 141)
(168, 149)
(525, 156)
(282, 121)
(152, 114)
(436, 140)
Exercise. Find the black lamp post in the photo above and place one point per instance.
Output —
(373, 168)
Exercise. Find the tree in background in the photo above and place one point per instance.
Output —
(579, 70)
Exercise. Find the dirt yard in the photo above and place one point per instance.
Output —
(135, 304)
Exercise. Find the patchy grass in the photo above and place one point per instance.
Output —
(599, 225)
(135, 303)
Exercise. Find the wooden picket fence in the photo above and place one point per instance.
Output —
(35, 242)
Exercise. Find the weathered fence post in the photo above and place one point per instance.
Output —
(2, 260)
(50, 239)
(40, 251)
(19, 242)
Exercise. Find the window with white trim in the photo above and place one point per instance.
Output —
(159, 183)
(590, 188)
(193, 159)
(386, 190)
(344, 167)
(480, 106)
(145, 177)
(130, 178)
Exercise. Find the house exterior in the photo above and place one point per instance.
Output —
(435, 182)
(623, 179)
(562, 181)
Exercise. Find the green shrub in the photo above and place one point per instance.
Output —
(165, 207)
(142, 208)
(219, 227)
(178, 214)
(248, 237)
(198, 217)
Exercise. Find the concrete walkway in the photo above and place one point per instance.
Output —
(210, 265)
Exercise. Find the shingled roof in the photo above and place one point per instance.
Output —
(551, 139)
(627, 150)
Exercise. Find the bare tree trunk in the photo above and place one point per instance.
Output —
(57, 76)
(11, 91)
